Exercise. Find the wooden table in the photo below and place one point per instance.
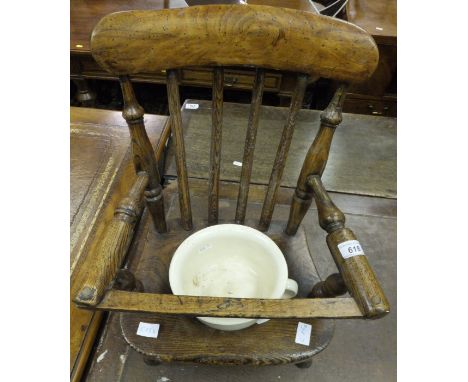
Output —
(365, 147)
(101, 174)
(369, 98)
(362, 157)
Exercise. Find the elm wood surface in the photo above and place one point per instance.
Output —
(187, 341)
(215, 148)
(116, 60)
(369, 98)
(373, 219)
(282, 153)
(176, 128)
(101, 173)
(316, 159)
(114, 243)
(356, 271)
(85, 14)
(362, 156)
(249, 146)
(254, 35)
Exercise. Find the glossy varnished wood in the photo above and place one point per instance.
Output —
(176, 125)
(249, 146)
(269, 37)
(282, 153)
(215, 150)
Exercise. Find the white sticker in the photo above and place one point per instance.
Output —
(350, 248)
(193, 106)
(236, 163)
(262, 320)
(148, 330)
(379, 29)
(303, 333)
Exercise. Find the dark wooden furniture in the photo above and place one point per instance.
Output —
(100, 176)
(371, 98)
(376, 96)
(128, 43)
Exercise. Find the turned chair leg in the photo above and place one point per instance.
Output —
(84, 95)
(126, 280)
(151, 361)
(304, 364)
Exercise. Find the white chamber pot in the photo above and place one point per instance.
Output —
(230, 260)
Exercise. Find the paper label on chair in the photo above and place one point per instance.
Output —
(193, 106)
(148, 330)
(303, 333)
(350, 248)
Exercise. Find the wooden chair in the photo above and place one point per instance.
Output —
(268, 38)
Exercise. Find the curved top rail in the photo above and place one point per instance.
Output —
(132, 42)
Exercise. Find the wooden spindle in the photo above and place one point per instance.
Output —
(316, 159)
(176, 125)
(143, 154)
(249, 147)
(215, 151)
(349, 257)
(282, 152)
(332, 286)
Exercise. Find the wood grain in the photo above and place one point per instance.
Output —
(215, 150)
(122, 301)
(365, 167)
(249, 145)
(153, 271)
(269, 37)
(114, 245)
(282, 153)
(143, 154)
(332, 286)
(358, 275)
(176, 125)
(316, 159)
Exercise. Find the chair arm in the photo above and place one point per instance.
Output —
(357, 273)
(113, 246)
(349, 256)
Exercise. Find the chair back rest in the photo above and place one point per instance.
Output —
(313, 46)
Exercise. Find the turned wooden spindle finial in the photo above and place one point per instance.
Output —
(143, 154)
(332, 286)
(330, 217)
(316, 159)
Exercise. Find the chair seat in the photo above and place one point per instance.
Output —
(184, 338)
